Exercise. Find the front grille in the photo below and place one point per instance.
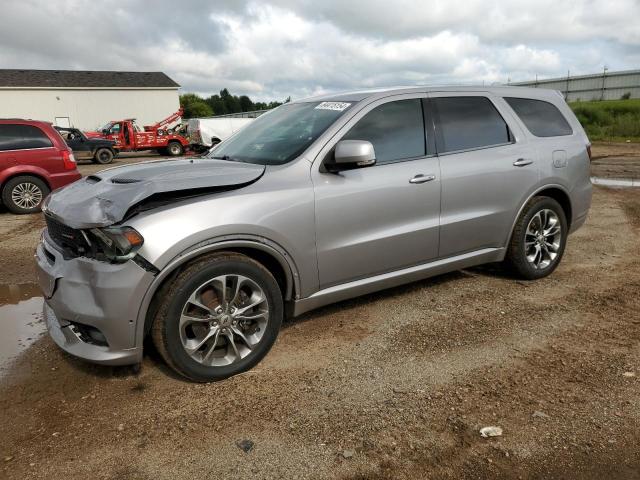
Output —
(69, 240)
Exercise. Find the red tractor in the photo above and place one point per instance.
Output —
(130, 137)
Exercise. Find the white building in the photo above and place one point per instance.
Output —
(85, 99)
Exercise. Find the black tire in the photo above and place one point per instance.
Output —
(103, 156)
(165, 329)
(32, 184)
(516, 258)
(175, 149)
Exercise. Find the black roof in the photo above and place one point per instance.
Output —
(84, 79)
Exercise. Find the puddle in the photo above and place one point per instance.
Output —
(21, 321)
(615, 182)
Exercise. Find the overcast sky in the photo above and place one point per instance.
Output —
(273, 49)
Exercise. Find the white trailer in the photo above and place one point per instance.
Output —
(210, 131)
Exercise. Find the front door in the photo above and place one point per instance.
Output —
(487, 169)
(78, 143)
(385, 217)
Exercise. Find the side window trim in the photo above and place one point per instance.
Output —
(439, 138)
(484, 147)
(429, 127)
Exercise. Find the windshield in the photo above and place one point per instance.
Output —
(105, 127)
(282, 134)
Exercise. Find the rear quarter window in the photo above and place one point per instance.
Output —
(22, 137)
(542, 119)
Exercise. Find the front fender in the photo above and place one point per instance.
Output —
(258, 243)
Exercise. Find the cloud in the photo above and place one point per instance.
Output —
(270, 50)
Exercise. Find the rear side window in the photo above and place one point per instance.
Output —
(395, 129)
(22, 137)
(543, 119)
(466, 123)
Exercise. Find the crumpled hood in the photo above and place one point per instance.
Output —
(106, 197)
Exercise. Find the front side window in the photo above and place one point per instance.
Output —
(281, 135)
(395, 129)
(466, 123)
(22, 137)
(542, 119)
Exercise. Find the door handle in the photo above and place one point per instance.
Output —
(420, 178)
(521, 162)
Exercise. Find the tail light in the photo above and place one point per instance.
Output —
(69, 160)
(589, 151)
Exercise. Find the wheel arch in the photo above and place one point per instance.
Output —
(558, 193)
(24, 173)
(102, 147)
(269, 254)
(95, 150)
(562, 197)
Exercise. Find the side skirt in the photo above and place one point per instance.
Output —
(356, 288)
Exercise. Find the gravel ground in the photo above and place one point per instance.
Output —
(391, 385)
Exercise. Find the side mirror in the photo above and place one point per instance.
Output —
(353, 154)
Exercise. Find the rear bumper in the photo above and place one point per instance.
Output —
(86, 295)
(581, 203)
(58, 180)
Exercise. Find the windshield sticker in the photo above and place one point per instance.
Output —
(337, 106)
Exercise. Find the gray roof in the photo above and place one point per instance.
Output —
(359, 95)
(83, 79)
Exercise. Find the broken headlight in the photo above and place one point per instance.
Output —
(118, 243)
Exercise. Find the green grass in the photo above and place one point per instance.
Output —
(610, 120)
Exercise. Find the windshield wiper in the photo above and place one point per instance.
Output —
(228, 158)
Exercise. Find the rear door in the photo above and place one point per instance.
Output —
(29, 145)
(487, 166)
(376, 219)
(8, 142)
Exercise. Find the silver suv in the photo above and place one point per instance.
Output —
(317, 201)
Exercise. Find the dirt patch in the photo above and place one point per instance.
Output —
(391, 385)
(616, 160)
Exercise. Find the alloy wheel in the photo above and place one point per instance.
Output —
(26, 195)
(543, 239)
(223, 320)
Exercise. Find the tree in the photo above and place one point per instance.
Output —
(246, 105)
(194, 106)
(231, 103)
(217, 104)
(222, 104)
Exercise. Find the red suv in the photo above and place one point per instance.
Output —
(34, 159)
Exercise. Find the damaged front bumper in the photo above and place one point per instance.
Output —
(91, 307)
